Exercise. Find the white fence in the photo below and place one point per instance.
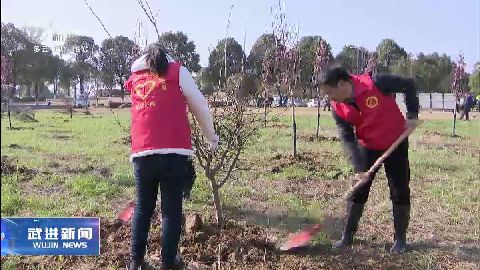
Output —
(434, 101)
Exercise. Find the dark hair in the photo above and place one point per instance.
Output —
(157, 58)
(333, 76)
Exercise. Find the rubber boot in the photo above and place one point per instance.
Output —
(137, 264)
(354, 212)
(177, 265)
(401, 217)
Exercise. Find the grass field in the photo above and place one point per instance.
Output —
(79, 167)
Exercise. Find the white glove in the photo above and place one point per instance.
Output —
(214, 142)
(412, 123)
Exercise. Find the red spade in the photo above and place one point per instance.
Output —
(302, 238)
(127, 213)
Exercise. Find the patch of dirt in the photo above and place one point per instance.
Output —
(10, 166)
(21, 128)
(61, 136)
(100, 171)
(439, 141)
(321, 138)
(127, 140)
(277, 125)
(19, 147)
(26, 116)
(29, 187)
(240, 246)
(77, 164)
(310, 161)
(235, 246)
(310, 188)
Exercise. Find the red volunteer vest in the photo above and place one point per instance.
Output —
(159, 111)
(378, 121)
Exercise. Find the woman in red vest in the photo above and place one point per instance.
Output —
(161, 90)
(369, 121)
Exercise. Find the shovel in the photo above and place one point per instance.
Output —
(364, 177)
(302, 238)
(127, 213)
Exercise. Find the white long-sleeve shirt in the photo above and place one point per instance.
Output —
(196, 102)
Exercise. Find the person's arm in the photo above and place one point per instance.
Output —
(198, 105)
(390, 84)
(350, 146)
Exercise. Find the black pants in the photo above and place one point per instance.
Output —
(169, 172)
(397, 170)
(465, 113)
(327, 105)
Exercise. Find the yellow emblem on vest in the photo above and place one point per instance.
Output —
(371, 102)
(143, 90)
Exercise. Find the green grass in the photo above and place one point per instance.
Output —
(94, 141)
(445, 172)
(12, 200)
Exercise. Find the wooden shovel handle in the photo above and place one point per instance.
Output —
(366, 177)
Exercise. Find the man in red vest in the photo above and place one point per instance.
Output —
(161, 90)
(369, 121)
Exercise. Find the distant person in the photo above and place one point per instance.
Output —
(327, 105)
(369, 122)
(161, 90)
(468, 104)
(478, 102)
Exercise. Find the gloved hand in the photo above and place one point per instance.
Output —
(214, 142)
(412, 123)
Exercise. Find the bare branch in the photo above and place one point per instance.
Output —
(230, 168)
(149, 15)
(99, 20)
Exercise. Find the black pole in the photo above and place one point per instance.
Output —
(294, 126)
(318, 113)
(455, 118)
(8, 112)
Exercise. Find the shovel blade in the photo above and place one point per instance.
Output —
(301, 238)
(127, 213)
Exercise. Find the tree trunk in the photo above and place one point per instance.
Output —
(29, 90)
(82, 90)
(54, 87)
(265, 111)
(454, 119)
(75, 95)
(216, 201)
(122, 94)
(318, 114)
(294, 127)
(8, 112)
(36, 93)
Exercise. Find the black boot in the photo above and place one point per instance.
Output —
(137, 264)
(177, 265)
(354, 212)
(401, 217)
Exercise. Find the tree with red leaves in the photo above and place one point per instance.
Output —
(6, 80)
(457, 86)
(6, 71)
(322, 58)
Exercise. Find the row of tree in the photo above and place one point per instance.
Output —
(26, 62)
(433, 72)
